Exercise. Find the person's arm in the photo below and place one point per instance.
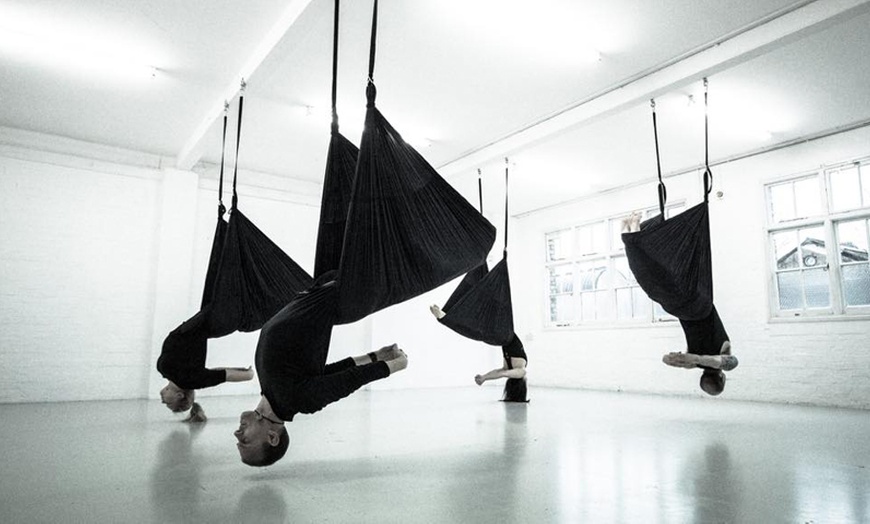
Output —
(500, 373)
(690, 360)
(238, 374)
(315, 393)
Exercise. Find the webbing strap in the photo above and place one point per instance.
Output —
(371, 92)
(480, 189)
(708, 175)
(221, 208)
(662, 190)
(506, 164)
(335, 70)
(238, 139)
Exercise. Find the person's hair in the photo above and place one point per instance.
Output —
(713, 381)
(184, 403)
(515, 390)
(272, 454)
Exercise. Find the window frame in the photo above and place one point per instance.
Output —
(608, 256)
(828, 221)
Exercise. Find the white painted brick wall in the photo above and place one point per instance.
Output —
(807, 362)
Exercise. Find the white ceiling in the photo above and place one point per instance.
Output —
(480, 79)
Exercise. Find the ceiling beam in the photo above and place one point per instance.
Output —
(776, 30)
(194, 147)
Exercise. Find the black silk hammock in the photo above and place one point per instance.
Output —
(480, 307)
(337, 182)
(671, 258)
(408, 231)
(249, 278)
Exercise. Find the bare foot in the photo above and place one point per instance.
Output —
(681, 360)
(479, 379)
(399, 363)
(437, 311)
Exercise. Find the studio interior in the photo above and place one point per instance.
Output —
(435, 261)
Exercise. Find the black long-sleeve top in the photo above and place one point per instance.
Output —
(291, 357)
(182, 359)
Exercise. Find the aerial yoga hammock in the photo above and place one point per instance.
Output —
(406, 232)
(480, 308)
(248, 280)
(671, 261)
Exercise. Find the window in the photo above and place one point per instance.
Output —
(818, 234)
(589, 280)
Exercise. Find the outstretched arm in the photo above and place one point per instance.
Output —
(500, 373)
(239, 374)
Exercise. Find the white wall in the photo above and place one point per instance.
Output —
(822, 362)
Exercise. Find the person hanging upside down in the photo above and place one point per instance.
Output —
(294, 376)
(513, 368)
(182, 363)
(707, 344)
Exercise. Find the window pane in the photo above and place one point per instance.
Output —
(782, 202)
(559, 245)
(623, 304)
(865, 184)
(785, 249)
(807, 198)
(856, 284)
(561, 308)
(845, 191)
(561, 279)
(587, 310)
(592, 275)
(789, 286)
(591, 239)
(602, 305)
(812, 250)
(622, 275)
(616, 235)
(853, 241)
(640, 303)
(816, 288)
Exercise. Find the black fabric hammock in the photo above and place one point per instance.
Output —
(408, 231)
(254, 278)
(480, 308)
(337, 183)
(671, 258)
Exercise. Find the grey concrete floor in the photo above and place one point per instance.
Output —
(454, 455)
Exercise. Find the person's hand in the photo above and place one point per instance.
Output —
(399, 363)
(389, 352)
(681, 360)
(479, 379)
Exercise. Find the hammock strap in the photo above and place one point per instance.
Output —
(238, 138)
(480, 189)
(335, 70)
(708, 175)
(370, 88)
(221, 208)
(506, 164)
(662, 190)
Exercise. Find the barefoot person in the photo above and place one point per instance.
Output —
(513, 366)
(294, 376)
(671, 261)
(182, 363)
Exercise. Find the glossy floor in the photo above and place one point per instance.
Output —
(434, 456)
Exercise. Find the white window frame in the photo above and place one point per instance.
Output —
(654, 315)
(828, 220)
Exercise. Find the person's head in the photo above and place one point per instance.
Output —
(515, 390)
(713, 381)
(176, 399)
(261, 442)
